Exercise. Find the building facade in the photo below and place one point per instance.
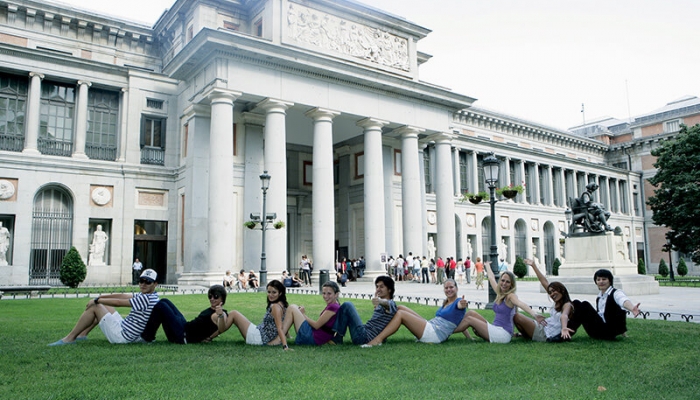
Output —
(155, 137)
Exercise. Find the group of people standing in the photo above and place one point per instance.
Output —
(148, 312)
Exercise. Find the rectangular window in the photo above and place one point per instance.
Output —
(621, 165)
(56, 119)
(190, 33)
(556, 179)
(259, 28)
(397, 162)
(543, 182)
(185, 139)
(511, 170)
(231, 26)
(463, 172)
(529, 185)
(154, 104)
(481, 183)
(102, 124)
(624, 204)
(637, 211)
(235, 141)
(13, 107)
(359, 165)
(153, 140)
(308, 173)
(426, 171)
(672, 126)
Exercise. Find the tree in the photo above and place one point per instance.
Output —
(73, 270)
(519, 268)
(682, 268)
(677, 179)
(555, 267)
(641, 267)
(663, 268)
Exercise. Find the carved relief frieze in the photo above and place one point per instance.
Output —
(329, 32)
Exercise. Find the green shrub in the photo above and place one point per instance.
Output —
(663, 268)
(73, 270)
(519, 269)
(682, 268)
(641, 267)
(555, 267)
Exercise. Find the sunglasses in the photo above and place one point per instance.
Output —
(213, 296)
(145, 282)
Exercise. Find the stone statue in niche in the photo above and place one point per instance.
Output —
(98, 246)
(431, 248)
(470, 251)
(4, 244)
(503, 249)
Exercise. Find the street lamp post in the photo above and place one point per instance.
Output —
(491, 175)
(265, 180)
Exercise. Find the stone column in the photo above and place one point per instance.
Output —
(474, 171)
(373, 195)
(616, 199)
(574, 181)
(323, 218)
(550, 186)
(522, 197)
(220, 213)
(275, 150)
(410, 190)
(33, 113)
(536, 180)
(444, 196)
(455, 165)
(562, 187)
(81, 120)
(506, 173)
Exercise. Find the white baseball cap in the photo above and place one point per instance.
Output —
(149, 275)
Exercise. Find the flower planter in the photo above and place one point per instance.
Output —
(509, 194)
(475, 199)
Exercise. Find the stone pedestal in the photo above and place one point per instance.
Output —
(587, 254)
(14, 275)
(205, 279)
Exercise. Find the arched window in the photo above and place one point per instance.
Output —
(52, 232)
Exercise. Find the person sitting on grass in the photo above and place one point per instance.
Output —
(505, 307)
(100, 310)
(609, 318)
(384, 310)
(177, 329)
(438, 329)
(317, 332)
(271, 331)
(555, 327)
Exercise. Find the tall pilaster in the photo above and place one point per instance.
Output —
(220, 213)
(33, 114)
(373, 195)
(275, 150)
(444, 196)
(323, 218)
(124, 108)
(81, 119)
(410, 189)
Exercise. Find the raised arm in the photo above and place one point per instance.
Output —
(564, 319)
(513, 299)
(489, 272)
(543, 279)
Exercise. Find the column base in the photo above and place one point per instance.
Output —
(80, 156)
(31, 151)
(204, 279)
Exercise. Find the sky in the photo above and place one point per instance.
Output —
(539, 60)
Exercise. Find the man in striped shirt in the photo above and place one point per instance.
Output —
(100, 310)
(384, 310)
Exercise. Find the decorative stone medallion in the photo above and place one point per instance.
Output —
(101, 195)
(7, 189)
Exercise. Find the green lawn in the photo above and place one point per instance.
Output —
(659, 359)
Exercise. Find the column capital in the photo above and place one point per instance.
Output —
(371, 123)
(320, 114)
(217, 95)
(408, 131)
(87, 83)
(196, 110)
(442, 138)
(274, 105)
(36, 74)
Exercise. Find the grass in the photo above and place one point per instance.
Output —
(658, 360)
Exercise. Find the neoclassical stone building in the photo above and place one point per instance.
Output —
(159, 135)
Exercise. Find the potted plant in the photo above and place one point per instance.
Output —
(475, 198)
(278, 224)
(250, 224)
(510, 191)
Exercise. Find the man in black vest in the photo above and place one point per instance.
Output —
(609, 318)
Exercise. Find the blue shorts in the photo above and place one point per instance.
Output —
(305, 335)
